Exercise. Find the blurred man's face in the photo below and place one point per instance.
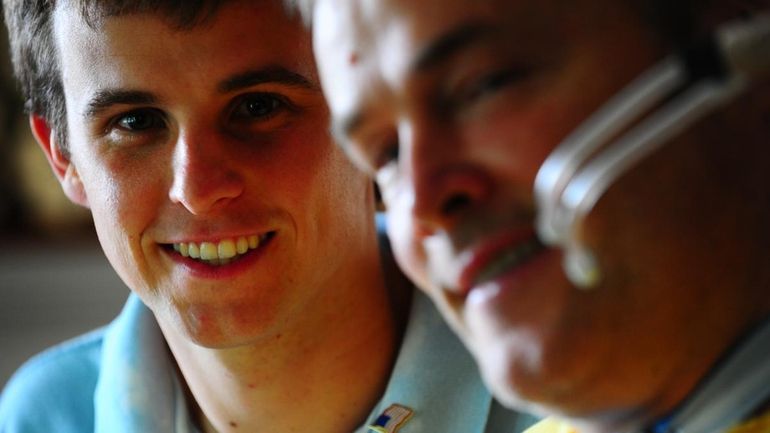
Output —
(204, 156)
(453, 106)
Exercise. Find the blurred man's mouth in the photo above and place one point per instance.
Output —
(486, 260)
(508, 259)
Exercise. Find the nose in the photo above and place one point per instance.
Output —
(204, 175)
(447, 182)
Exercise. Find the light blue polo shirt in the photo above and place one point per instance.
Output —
(120, 379)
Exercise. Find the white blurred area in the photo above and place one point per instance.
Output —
(55, 283)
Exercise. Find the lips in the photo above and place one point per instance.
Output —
(510, 258)
(498, 256)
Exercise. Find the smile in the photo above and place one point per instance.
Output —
(225, 251)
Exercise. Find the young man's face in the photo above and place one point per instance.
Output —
(215, 139)
(453, 106)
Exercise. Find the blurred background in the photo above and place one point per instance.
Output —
(55, 283)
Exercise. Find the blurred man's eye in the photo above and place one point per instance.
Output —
(494, 81)
(386, 154)
(389, 154)
(477, 87)
(380, 152)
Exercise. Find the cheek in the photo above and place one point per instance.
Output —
(323, 189)
(122, 198)
(301, 162)
(123, 206)
(518, 140)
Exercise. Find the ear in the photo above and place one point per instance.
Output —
(65, 171)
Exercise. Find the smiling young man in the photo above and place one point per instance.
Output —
(196, 135)
(454, 105)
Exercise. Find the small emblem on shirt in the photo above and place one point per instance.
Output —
(392, 419)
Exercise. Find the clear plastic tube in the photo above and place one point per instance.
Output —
(581, 169)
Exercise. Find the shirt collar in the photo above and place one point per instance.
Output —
(435, 377)
(137, 390)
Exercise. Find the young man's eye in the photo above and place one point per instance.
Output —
(140, 120)
(259, 106)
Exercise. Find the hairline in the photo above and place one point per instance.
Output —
(37, 63)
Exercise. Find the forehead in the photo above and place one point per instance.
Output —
(365, 44)
(364, 24)
(361, 29)
(368, 43)
(137, 47)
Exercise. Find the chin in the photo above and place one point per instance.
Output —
(216, 339)
(206, 336)
(516, 374)
(208, 339)
(521, 395)
(218, 330)
(504, 366)
(522, 375)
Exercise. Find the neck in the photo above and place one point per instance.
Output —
(330, 365)
(733, 390)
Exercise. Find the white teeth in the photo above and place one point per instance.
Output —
(219, 253)
(194, 250)
(208, 251)
(242, 246)
(226, 249)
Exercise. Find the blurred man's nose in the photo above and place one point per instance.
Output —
(204, 174)
(445, 180)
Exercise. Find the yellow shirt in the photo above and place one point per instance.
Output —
(760, 424)
(551, 425)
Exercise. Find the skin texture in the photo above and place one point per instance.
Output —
(212, 133)
(453, 106)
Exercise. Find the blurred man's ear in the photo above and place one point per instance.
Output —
(65, 171)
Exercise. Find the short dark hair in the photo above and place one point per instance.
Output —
(33, 48)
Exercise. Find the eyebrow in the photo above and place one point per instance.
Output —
(104, 99)
(270, 74)
(450, 43)
(436, 53)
